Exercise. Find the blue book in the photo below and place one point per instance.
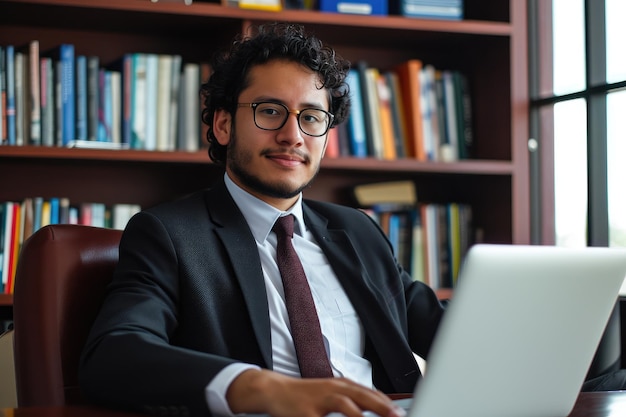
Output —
(3, 92)
(54, 210)
(432, 9)
(356, 120)
(81, 97)
(10, 95)
(37, 212)
(68, 93)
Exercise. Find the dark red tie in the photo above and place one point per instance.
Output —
(305, 325)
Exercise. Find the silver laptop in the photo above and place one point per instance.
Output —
(520, 332)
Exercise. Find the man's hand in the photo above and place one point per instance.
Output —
(263, 391)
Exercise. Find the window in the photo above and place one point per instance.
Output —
(578, 122)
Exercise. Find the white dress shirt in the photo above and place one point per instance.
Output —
(341, 328)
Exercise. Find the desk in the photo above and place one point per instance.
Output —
(589, 404)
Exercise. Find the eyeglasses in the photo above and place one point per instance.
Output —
(273, 116)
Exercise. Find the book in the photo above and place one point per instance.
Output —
(365, 7)
(432, 9)
(114, 81)
(3, 100)
(81, 99)
(452, 121)
(164, 99)
(138, 101)
(47, 101)
(267, 5)
(174, 102)
(389, 192)
(465, 118)
(408, 76)
(21, 99)
(93, 96)
(64, 210)
(366, 100)
(397, 113)
(152, 92)
(190, 121)
(27, 219)
(385, 117)
(10, 94)
(7, 244)
(372, 112)
(126, 68)
(67, 79)
(34, 94)
(356, 119)
(428, 105)
(121, 213)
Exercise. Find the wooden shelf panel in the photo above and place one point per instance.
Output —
(215, 10)
(48, 154)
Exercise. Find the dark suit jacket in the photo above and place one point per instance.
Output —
(188, 298)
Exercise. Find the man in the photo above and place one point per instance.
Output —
(195, 320)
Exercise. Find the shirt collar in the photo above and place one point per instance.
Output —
(261, 216)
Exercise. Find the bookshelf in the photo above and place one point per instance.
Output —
(489, 46)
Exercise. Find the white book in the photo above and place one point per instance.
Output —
(164, 102)
(191, 140)
(122, 213)
(152, 86)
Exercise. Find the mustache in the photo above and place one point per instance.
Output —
(287, 151)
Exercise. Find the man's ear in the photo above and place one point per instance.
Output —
(222, 126)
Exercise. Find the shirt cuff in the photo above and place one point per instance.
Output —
(215, 392)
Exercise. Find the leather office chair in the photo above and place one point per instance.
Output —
(59, 286)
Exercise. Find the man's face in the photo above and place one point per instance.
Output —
(274, 165)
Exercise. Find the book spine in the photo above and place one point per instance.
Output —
(21, 98)
(93, 93)
(47, 101)
(191, 140)
(163, 102)
(116, 106)
(356, 121)
(81, 98)
(152, 92)
(10, 94)
(127, 108)
(138, 102)
(35, 94)
(68, 93)
(174, 102)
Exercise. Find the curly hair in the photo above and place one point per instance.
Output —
(268, 42)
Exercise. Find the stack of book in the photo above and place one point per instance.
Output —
(413, 111)
(429, 240)
(61, 98)
(19, 220)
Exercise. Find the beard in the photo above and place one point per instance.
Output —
(238, 160)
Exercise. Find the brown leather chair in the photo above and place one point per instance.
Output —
(59, 286)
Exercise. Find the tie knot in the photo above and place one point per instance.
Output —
(284, 226)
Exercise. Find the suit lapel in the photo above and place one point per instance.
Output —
(239, 243)
(378, 321)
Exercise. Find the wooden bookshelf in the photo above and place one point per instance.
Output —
(489, 46)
